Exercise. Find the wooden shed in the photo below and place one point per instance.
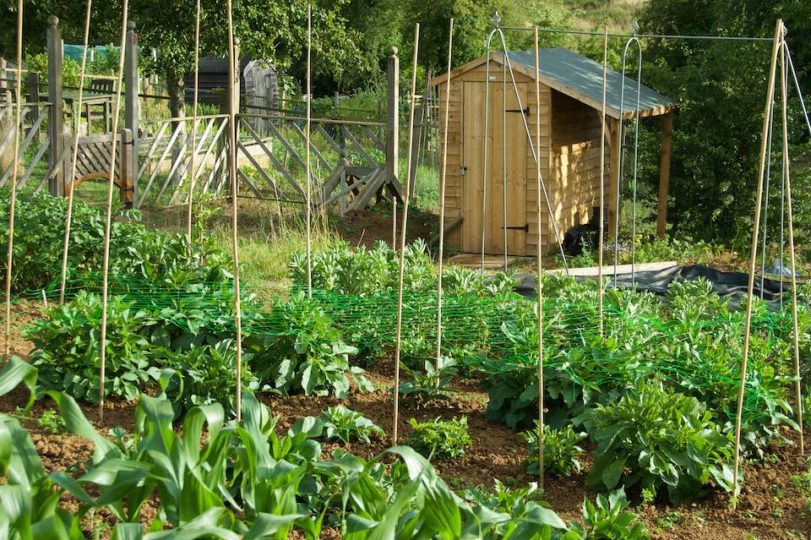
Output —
(571, 88)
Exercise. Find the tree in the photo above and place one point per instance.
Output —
(720, 87)
(272, 31)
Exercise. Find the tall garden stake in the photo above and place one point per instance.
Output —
(192, 172)
(18, 87)
(778, 36)
(601, 227)
(403, 229)
(790, 218)
(538, 182)
(307, 153)
(442, 182)
(108, 223)
(233, 133)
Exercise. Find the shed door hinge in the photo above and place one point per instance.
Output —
(524, 111)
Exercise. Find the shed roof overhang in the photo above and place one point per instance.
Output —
(579, 78)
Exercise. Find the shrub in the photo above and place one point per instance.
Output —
(208, 375)
(561, 455)
(139, 257)
(67, 348)
(658, 439)
(440, 438)
(304, 352)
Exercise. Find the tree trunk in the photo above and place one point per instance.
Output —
(176, 88)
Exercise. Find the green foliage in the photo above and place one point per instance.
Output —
(562, 453)
(658, 439)
(606, 519)
(138, 256)
(720, 88)
(50, 422)
(67, 348)
(207, 375)
(341, 423)
(440, 438)
(195, 476)
(306, 353)
(430, 384)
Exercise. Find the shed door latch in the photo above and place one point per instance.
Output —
(524, 111)
(524, 228)
(462, 170)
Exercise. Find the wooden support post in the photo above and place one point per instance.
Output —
(614, 145)
(393, 120)
(6, 95)
(664, 175)
(126, 171)
(131, 103)
(56, 139)
(233, 110)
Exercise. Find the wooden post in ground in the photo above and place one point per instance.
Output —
(393, 119)
(127, 168)
(56, 139)
(664, 175)
(767, 117)
(131, 103)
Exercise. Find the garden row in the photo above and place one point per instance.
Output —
(655, 391)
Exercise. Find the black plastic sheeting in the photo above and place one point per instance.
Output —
(729, 284)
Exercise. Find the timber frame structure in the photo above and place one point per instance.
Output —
(571, 87)
(355, 162)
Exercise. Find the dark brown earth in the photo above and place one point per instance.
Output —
(774, 503)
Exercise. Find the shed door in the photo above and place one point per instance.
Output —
(512, 125)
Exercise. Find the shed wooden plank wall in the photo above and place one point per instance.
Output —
(575, 161)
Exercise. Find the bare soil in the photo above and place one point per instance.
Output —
(773, 505)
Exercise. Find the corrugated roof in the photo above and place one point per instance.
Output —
(581, 79)
(585, 78)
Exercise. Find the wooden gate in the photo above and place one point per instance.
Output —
(93, 162)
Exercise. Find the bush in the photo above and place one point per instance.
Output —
(208, 376)
(139, 257)
(561, 453)
(658, 439)
(67, 348)
(304, 352)
(440, 439)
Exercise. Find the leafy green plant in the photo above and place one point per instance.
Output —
(50, 422)
(198, 475)
(440, 438)
(562, 453)
(304, 352)
(67, 348)
(658, 439)
(339, 422)
(607, 519)
(432, 383)
(207, 375)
